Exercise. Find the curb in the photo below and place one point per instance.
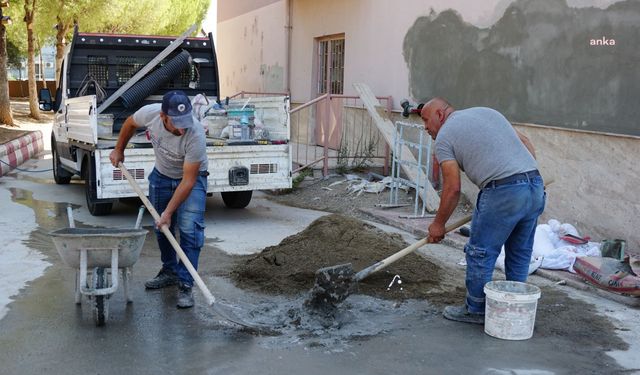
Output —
(19, 150)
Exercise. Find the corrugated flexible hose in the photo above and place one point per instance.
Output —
(155, 80)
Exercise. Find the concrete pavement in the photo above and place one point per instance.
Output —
(44, 330)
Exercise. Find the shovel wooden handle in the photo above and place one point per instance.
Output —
(165, 229)
(407, 250)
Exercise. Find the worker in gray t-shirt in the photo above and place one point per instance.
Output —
(177, 184)
(501, 162)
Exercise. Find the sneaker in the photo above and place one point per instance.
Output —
(461, 314)
(185, 297)
(164, 279)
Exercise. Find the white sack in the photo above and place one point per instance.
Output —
(551, 252)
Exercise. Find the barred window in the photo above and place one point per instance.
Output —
(330, 64)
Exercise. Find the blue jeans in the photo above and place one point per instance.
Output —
(189, 218)
(504, 215)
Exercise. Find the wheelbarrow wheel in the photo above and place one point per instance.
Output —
(100, 303)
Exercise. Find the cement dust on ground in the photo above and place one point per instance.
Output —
(289, 268)
(322, 194)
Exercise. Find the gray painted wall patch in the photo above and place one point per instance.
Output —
(536, 64)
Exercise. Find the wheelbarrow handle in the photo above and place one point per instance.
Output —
(165, 229)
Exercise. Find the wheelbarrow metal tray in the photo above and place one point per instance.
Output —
(99, 242)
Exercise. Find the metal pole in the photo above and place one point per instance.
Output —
(393, 165)
(385, 167)
(418, 174)
(325, 136)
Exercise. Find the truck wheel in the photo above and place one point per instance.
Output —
(236, 199)
(96, 208)
(60, 175)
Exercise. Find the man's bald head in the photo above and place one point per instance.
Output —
(434, 113)
(436, 102)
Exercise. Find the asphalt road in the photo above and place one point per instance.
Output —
(44, 331)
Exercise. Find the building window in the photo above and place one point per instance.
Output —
(38, 72)
(330, 65)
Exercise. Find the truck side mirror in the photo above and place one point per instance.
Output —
(44, 100)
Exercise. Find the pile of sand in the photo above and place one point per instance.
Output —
(289, 268)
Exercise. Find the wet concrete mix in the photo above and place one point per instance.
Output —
(286, 272)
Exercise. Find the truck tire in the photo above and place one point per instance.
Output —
(60, 175)
(236, 199)
(94, 205)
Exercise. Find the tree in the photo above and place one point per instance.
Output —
(153, 17)
(62, 29)
(14, 55)
(67, 13)
(182, 14)
(30, 7)
(6, 117)
(161, 17)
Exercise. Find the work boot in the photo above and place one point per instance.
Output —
(461, 314)
(185, 296)
(164, 279)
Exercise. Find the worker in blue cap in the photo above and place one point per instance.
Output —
(177, 184)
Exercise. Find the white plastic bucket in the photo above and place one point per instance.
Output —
(215, 123)
(105, 124)
(510, 312)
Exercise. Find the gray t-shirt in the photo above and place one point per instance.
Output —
(485, 145)
(172, 151)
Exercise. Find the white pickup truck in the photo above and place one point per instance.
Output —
(91, 106)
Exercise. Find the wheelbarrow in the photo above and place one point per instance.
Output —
(99, 255)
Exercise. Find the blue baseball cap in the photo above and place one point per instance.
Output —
(177, 106)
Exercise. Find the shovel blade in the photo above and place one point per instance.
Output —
(333, 285)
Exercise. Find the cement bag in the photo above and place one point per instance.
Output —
(561, 258)
(534, 264)
(609, 274)
(199, 105)
(564, 257)
(542, 245)
(556, 230)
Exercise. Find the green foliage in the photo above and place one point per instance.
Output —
(152, 17)
(343, 157)
(302, 174)
(14, 55)
(296, 181)
(356, 157)
(16, 32)
(161, 17)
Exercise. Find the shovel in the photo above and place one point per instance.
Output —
(334, 284)
(223, 310)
